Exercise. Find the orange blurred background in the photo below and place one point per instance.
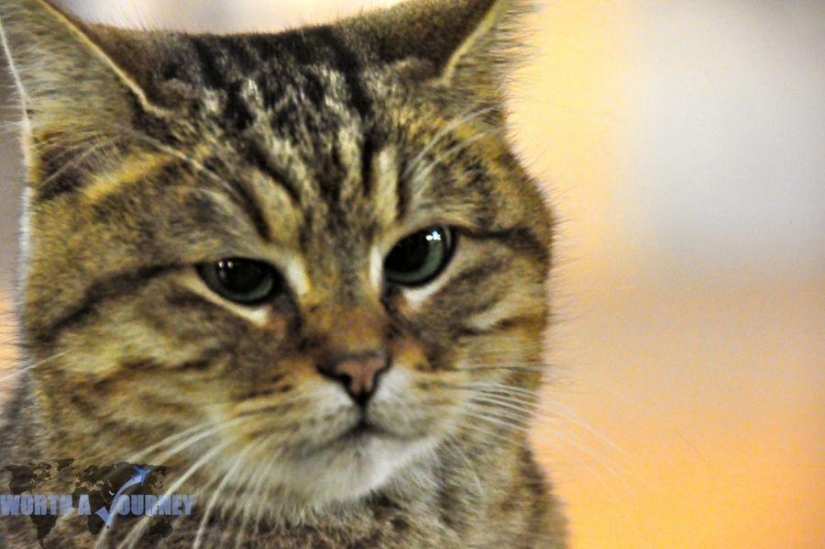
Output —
(683, 146)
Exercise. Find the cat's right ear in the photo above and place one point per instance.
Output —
(71, 89)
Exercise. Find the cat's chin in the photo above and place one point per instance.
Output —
(356, 464)
(333, 479)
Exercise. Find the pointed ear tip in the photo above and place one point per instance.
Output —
(63, 68)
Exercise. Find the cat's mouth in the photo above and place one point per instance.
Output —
(362, 430)
(367, 431)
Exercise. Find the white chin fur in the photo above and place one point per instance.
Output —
(347, 472)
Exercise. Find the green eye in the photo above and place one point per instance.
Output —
(420, 257)
(243, 281)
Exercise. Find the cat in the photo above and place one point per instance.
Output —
(304, 273)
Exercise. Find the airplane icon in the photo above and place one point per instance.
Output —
(140, 477)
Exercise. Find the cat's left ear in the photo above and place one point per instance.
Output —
(471, 46)
(67, 81)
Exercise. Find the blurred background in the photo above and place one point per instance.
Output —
(682, 144)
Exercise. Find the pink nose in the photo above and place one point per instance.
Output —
(358, 372)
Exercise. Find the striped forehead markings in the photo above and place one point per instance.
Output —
(132, 170)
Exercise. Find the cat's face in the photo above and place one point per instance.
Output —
(310, 260)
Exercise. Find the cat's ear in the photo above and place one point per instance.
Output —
(471, 45)
(68, 82)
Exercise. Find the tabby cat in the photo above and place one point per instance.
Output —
(303, 272)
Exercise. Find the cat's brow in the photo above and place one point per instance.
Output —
(382, 171)
(134, 169)
(248, 200)
(264, 191)
(262, 159)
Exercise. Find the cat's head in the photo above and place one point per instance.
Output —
(303, 262)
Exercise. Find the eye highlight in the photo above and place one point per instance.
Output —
(420, 257)
(243, 281)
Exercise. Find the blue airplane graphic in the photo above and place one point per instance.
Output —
(141, 474)
(139, 478)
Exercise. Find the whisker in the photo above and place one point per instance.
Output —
(259, 512)
(572, 416)
(137, 531)
(502, 421)
(502, 367)
(652, 413)
(516, 394)
(30, 367)
(168, 440)
(420, 175)
(456, 453)
(522, 421)
(494, 435)
(78, 159)
(525, 410)
(228, 477)
(198, 435)
(175, 153)
(583, 450)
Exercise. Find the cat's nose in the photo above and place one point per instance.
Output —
(357, 372)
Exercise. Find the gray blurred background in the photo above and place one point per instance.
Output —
(683, 146)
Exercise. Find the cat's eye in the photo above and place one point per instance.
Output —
(243, 281)
(420, 257)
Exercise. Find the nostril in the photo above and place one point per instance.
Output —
(357, 372)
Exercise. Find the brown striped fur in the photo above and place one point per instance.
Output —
(316, 151)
